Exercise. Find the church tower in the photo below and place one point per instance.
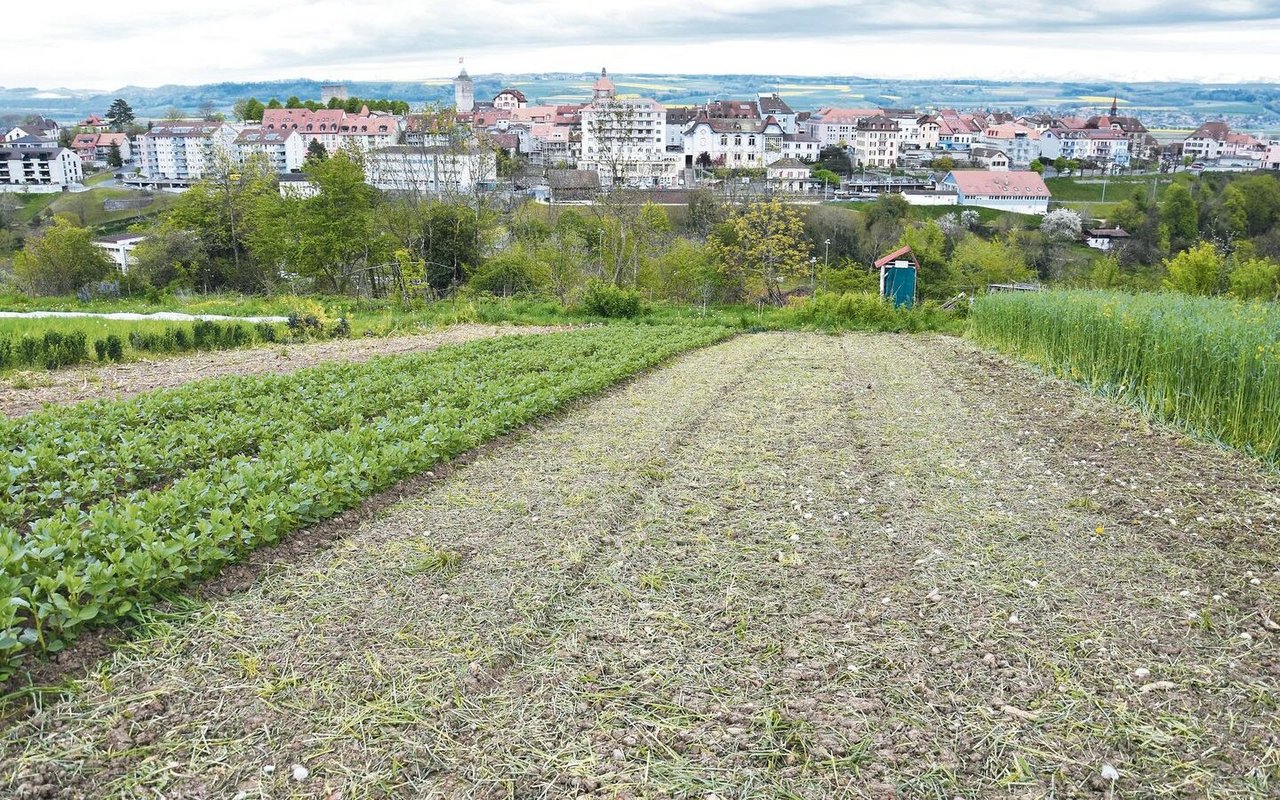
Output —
(604, 88)
(1115, 111)
(464, 96)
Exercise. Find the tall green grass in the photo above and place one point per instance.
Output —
(1209, 365)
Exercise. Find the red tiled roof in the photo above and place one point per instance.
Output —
(1000, 184)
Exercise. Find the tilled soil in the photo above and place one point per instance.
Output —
(787, 566)
(135, 377)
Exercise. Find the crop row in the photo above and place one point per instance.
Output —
(98, 562)
(69, 458)
(1211, 365)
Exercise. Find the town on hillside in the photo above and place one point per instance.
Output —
(743, 148)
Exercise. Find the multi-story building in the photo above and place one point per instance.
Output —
(788, 175)
(801, 146)
(39, 127)
(771, 105)
(875, 142)
(1272, 158)
(95, 148)
(431, 170)
(335, 128)
(836, 126)
(509, 99)
(120, 247)
(625, 139)
(737, 143)
(181, 151)
(284, 151)
(1020, 143)
(464, 93)
(33, 161)
(1103, 147)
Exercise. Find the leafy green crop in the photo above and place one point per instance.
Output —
(106, 505)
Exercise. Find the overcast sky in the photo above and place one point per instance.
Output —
(92, 44)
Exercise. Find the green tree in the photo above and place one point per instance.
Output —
(274, 104)
(120, 114)
(1197, 270)
(171, 258)
(114, 159)
(929, 245)
(1179, 215)
(1256, 279)
(978, 263)
(1262, 202)
(61, 261)
(316, 150)
(826, 177)
(1037, 167)
(1105, 273)
(943, 163)
(761, 246)
(1235, 211)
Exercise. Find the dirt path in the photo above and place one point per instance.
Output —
(122, 380)
(788, 566)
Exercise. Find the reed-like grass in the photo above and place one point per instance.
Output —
(1210, 365)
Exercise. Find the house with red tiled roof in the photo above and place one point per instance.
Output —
(510, 99)
(1019, 142)
(1021, 192)
(336, 129)
(836, 126)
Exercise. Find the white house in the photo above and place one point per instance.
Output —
(182, 151)
(35, 162)
(430, 170)
(1022, 192)
(801, 146)
(771, 105)
(875, 142)
(1020, 143)
(624, 140)
(1272, 158)
(836, 126)
(788, 175)
(510, 99)
(120, 247)
(992, 159)
(1105, 238)
(744, 143)
(283, 150)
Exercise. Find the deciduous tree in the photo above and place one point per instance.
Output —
(61, 261)
(760, 247)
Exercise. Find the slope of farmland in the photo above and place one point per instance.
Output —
(789, 565)
(131, 378)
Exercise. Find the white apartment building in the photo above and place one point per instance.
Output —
(733, 143)
(771, 105)
(1099, 146)
(182, 151)
(120, 248)
(36, 162)
(624, 140)
(802, 146)
(875, 142)
(283, 150)
(430, 170)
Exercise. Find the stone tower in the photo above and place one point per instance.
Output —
(603, 88)
(464, 95)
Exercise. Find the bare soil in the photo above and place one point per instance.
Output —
(787, 566)
(122, 380)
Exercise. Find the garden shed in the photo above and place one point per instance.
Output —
(898, 272)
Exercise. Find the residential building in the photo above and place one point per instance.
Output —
(992, 159)
(1105, 239)
(678, 118)
(1103, 147)
(1207, 142)
(625, 139)
(39, 128)
(731, 109)
(30, 161)
(181, 151)
(957, 131)
(802, 146)
(1272, 158)
(94, 124)
(103, 148)
(1022, 192)
(431, 170)
(509, 99)
(788, 175)
(736, 143)
(120, 248)
(836, 126)
(283, 150)
(85, 145)
(928, 130)
(771, 105)
(464, 94)
(1020, 143)
(875, 142)
(336, 129)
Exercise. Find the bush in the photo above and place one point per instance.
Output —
(115, 348)
(606, 300)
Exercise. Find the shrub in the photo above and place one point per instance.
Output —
(115, 347)
(606, 300)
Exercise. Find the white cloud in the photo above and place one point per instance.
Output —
(147, 42)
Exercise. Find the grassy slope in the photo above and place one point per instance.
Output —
(677, 590)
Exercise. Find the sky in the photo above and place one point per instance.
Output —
(94, 45)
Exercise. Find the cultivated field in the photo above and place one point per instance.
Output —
(789, 565)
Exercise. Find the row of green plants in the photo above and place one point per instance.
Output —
(54, 349)
(1211, 365)
(310, 445)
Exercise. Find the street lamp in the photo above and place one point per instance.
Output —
(813, 274)
(826, 253)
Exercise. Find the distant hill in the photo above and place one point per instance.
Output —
(1251, 107)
